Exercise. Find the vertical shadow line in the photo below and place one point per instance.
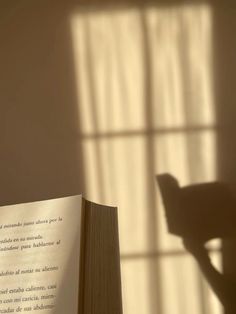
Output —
(150, 162)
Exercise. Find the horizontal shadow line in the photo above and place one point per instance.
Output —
(161, 254)
(147, 132)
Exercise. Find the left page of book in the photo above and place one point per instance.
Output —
(39, 256)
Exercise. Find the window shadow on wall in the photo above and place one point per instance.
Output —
(159, 119)
(41, 136)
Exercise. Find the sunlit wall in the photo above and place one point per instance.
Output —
(146, 106)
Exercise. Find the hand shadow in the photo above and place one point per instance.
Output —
(198, 213)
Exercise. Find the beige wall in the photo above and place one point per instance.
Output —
(39, 151)
(39, 120)
(225, 96)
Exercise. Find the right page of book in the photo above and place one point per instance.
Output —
(39, 256)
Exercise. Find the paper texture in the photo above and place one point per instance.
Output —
(39, 256)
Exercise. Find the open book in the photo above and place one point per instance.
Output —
(59, 256)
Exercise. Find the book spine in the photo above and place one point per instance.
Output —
(82, 264)
(100, 263)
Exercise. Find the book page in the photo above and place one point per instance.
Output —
(39, 256)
